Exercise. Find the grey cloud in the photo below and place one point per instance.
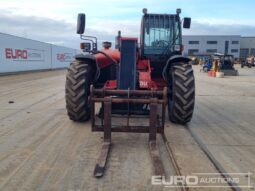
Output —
(220, 29)
(44, 29)
(50, 30)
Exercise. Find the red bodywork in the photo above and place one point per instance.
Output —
(250, 60)
(103, 61)
(143, 66)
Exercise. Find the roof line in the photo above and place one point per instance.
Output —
(34, 40)
(214, 35)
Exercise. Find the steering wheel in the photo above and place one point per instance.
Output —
(160, 43)
(163, 43)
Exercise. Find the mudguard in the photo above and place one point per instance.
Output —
(88, 57)
(91, 59)
(170, 61)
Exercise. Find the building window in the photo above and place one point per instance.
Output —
(211, 50)
(193, 42)
(212, 42)
(192, 51)
(226, 47)
(234, 50)
(244, 53)
(235, 42)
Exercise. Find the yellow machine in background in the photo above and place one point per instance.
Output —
(215, 65)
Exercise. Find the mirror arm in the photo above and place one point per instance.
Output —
(94, 42)
(88, 40)
(86, 36)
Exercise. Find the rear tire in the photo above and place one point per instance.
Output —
(181, 99)
(78, 80)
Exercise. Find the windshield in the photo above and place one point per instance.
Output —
(160, 34)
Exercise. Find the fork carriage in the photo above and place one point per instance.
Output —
(154, 99)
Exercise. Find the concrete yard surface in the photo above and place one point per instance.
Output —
(41, 149)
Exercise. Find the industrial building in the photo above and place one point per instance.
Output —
(247, 46)
(238, 46)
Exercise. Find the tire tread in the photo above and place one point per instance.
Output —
(77, 91)
(182, 98)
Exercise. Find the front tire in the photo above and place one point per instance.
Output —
(181, 99)
(78, 80)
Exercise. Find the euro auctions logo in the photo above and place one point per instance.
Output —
(18, 54)
(64, 57)
(205, 180)
(25, 54)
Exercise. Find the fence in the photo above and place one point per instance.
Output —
(19, 54)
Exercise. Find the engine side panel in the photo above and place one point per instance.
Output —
(103, 61)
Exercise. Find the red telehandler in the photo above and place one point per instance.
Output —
(132, 80)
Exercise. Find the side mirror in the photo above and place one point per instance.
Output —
(81, 23)
(186, 22)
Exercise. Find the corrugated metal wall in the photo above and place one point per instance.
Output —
(20, 54)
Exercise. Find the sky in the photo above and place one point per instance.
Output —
(54, 21)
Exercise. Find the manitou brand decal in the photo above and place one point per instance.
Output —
(15, 53)
(26, 54)
(64, 57)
